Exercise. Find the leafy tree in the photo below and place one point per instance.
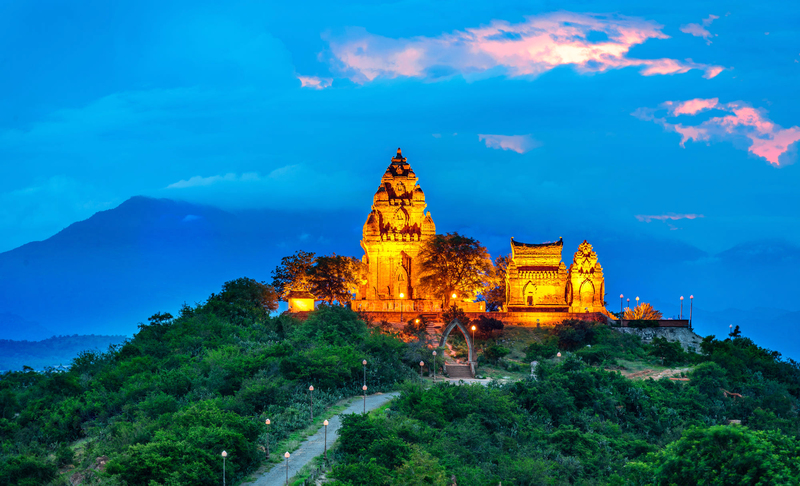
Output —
(727, 455)
(292, 274)
(454, 264)
(494, 352)
(736, 333)
(26, 471)
(160, 318)
(642, 311)
(573, 333)
(335, 278)
(455, 312)
(417, 327)
(421, 469)
(249, 294)
(670, 352)
(485, 326)
(495, 294)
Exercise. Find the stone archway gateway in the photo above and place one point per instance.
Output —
(470, 347)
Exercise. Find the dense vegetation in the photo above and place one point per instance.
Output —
(161, 407)
(158, 410)
(580, 424)
(51, 352)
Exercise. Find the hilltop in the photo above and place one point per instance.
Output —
(158, 409)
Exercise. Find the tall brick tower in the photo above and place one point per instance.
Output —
(393, 235)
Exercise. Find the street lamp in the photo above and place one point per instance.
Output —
(365, 397)
(629, 302)
(637, 301)
(691, 304)
(287, 466)
(268, 424)
(311, 393)
(434, 366)
(224, 455)
(401, 306)
(421, 364)
(365, 371)
(681, 315)
(537, 323)
(620, 303)
(325, 423)
(558, 354)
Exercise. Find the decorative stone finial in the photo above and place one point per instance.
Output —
(399, 157)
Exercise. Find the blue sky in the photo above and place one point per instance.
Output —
(674, 122)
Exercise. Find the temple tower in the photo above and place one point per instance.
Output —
(393, 235)
(586, 286)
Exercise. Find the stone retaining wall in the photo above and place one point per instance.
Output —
(686, 337)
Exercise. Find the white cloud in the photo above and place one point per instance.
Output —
(532, 47)
(314, 82)
(761, 135)
(517, 143)
(698, 30)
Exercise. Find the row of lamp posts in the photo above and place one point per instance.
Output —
(691, 305)
(324, 423)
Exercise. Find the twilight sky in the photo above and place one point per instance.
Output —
(674, 121)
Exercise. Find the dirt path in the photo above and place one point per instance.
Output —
(648, 373)
(314, 445)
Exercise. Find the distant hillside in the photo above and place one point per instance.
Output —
(108, 273)
(18, 328)
(52, 352)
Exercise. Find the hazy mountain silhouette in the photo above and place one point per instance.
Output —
(113, 270)
(105, 274)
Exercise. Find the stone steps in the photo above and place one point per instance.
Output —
(459, 371)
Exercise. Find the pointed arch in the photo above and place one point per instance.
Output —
(586, 293)
(471, 349)
(529, 291)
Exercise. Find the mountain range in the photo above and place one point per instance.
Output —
(112, 271)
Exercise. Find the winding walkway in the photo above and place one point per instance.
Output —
(314, 445)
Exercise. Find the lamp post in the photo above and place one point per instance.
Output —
(365, 371)
(629, 302)
(537, 323)
(620, 303)
(268, 424)
(224, 455)
(558, 355)
(421, 364)
(637, 301)
(730, 330)
(691, 305)
(286, 455)
(401, 306)
(472, 358)
(325, 423)
(681, 315)
(365, 397)
(311, 393)
(434, 366)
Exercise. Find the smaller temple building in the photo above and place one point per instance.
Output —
(540, 288)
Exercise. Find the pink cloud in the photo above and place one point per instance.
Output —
(532, 47)
(314, 82)
(667, 217)
(763, 137)
(698, 30)
(518, 143)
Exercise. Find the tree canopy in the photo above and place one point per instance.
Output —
(454, 264)
(335, 278)
(495, 293)
(292, 274)
(643, 311)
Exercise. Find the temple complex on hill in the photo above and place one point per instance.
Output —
(540, 289)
